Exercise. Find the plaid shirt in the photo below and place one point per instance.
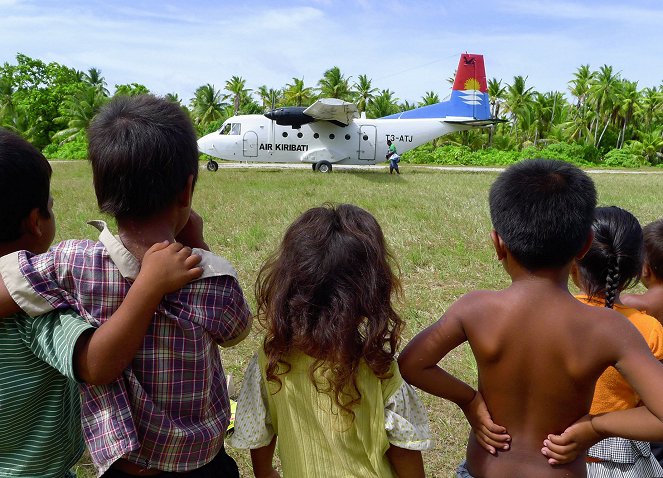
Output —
(170, 408)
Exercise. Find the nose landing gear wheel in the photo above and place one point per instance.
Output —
(212, 166)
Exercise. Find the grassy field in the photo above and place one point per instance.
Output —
(437, 224)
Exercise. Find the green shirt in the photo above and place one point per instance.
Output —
(40, 428)
(314, 439)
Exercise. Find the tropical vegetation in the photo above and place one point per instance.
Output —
(603, 119)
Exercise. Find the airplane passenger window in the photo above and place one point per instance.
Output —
(285, 134)
(347, 136)
(316, 135)
(365, 137)
(332, 136)
(299, 135)
(236, 128)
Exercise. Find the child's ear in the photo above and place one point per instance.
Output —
(575, 274)
(32, 223)
(498, 243)
(588, 244)
(646, 272)
(185, 198)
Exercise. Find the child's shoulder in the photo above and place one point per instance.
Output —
(214, 265)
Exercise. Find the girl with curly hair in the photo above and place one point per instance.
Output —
(325, 383)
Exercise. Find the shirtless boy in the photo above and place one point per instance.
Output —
(538, 349)
(652, 273)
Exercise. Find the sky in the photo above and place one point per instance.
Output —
(410, 47)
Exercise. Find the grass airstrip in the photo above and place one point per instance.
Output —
(436, 223)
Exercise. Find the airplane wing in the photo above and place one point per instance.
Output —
(333, 109)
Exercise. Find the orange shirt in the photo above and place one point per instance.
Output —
(612, 392)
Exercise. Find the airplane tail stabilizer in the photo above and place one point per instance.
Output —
(469, 96)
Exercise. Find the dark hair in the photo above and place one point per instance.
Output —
(327, 292)
(25, 177)
(142, 150)
(653, 234)
(543, 210)
(614, 260)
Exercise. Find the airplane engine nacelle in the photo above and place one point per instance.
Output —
(290, 116)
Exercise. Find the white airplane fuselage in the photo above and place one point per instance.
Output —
(363, 141)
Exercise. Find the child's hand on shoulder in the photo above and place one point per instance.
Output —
(168, 267)
(491, 436)
(576, 439)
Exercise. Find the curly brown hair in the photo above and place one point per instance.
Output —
(327, 292)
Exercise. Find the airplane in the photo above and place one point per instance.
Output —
(331, 132)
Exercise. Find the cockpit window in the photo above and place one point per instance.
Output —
(231, 129)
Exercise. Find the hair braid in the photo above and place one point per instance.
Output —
(612, 282)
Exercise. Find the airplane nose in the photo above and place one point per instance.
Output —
(204, 144)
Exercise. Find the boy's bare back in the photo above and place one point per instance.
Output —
(539, 352)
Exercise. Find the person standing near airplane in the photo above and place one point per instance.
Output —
(393, 157)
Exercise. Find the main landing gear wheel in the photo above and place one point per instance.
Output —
(323, 167)
(212, 165)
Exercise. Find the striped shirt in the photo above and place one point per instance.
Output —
(40, 425)
(170, 408)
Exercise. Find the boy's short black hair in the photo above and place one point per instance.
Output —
(25, 177)
(142, 150)
(543, 211)
(653, 233)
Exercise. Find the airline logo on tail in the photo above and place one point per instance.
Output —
(469, 96)
(470, 88)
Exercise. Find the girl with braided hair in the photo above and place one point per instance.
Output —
(613, 264)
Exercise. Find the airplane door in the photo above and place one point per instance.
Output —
(250, 145)
(367, 138)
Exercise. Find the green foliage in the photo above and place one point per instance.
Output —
(131, 89)
(75, 149)
(621, 158)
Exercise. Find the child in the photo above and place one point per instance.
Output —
(325, 381)
(612, 264)
(169, 411)
(652, 273)
(43, 357)
(539, 351)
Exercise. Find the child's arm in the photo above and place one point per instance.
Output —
(261, 460)
(418, 366)
(406, 463)
(7, 305)
(192, 233)
(634, 424)
(101, 356)
(635, 361)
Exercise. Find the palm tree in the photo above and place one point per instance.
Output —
(518, 101)
(496, 93)
(364, 92)
(602, 93)
(77, 112)
(207, 105)
(93, 78)
(236, 86)
(580, 84)
(334, 85)
(652, 104)
(627, 101)
(383, 105)
(430, 98)
(296, 94)
(269, 97)
(173, 98)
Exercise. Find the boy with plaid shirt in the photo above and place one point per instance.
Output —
(168, 412)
